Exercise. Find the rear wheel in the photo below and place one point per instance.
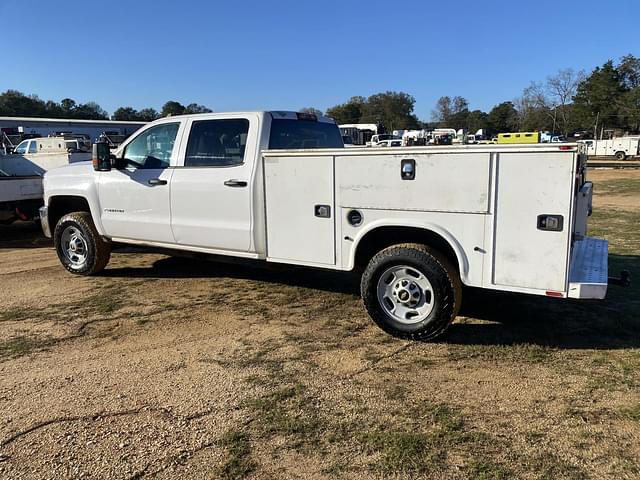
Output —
(411, 291)
(79, 246)
(621, 155)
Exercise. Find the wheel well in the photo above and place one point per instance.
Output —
(384, 237)
(61, 205)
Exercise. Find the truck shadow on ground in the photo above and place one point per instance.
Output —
(507, 318)
(23, 235)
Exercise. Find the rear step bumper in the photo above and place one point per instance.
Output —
(588, 271)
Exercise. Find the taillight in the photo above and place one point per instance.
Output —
(565, 147)
(552, 293)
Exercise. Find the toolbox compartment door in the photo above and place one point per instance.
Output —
(527, 252)
(300, 209)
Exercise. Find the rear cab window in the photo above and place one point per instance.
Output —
(287, 133)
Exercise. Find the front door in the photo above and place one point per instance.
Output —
(134, 201)
(211, 188)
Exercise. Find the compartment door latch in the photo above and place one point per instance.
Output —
(322, 211)
(550, 223)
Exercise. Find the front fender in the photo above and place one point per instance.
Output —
(76, 180)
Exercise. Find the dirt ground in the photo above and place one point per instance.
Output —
(166, 367)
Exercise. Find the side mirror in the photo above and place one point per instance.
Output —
(101, 157)
(119, 163)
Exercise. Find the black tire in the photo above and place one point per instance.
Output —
(96, 251)
(621, 155)
(444, 280)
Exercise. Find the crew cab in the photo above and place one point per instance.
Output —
(416, 222)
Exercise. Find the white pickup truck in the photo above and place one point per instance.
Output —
(417, 222)
(20, 189)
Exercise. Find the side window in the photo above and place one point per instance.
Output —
(217, 143)
(152, 148)
(33, 147)
(22, 148)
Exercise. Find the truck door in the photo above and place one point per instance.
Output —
(134, 200)
(212, 186)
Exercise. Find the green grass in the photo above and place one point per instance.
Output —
(238, 463)
(16, 314)
(627, 186)
(521, 353)
(22, 345)
(105, 299)
(487, 469)
(631, 413)
(404, 452)
(420, 445)
(620, 227)
(286, 411)
(615, 372)
(549, 466)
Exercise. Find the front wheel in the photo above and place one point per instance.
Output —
(80, 248)
(411, 291)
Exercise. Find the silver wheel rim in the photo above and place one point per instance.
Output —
(74, 247)
(405, 294)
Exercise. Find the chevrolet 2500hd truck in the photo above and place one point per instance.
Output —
(418, 222)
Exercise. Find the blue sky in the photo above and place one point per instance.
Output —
(293, 54)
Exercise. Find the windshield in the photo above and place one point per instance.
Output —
(22, 148)
(287, 134)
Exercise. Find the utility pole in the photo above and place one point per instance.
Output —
(595, 128)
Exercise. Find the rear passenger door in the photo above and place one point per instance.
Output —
(211, 188)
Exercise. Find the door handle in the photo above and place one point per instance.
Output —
(156, 181)
(235, 183)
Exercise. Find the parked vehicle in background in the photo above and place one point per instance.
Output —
(519, 137)
(21, 172)
(360, 133)
(348, 141)
(443, 136)
(412, 138)
(549, 137)
(386, 140)
(51, 152)
(443, 139)
(279, 187)
(530, 137)
(113, 138)
(10, 138)
(392, 142)
(21, 193)
(621, 147)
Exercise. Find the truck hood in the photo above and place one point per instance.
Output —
(73, 179)
(72, 169)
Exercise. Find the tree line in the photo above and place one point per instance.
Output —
(570, 101)
(16, 104)
(567, 102)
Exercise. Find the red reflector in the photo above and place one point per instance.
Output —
(565, 147)
(551, 293)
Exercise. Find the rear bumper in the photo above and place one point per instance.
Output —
(44, 221)
(588, 271)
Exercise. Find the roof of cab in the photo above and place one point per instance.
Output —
(279, 114)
